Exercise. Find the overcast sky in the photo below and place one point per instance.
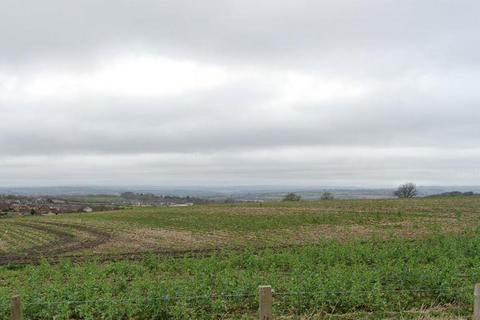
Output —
(221, 92)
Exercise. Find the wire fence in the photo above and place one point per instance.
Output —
(229, 295)
(278, 295)
(369, 291)
(165, 298)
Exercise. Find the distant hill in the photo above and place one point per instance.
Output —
(455, 194)
(247, 193)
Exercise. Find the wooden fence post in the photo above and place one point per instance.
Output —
(476, 303)
(265, 303)
(16, 308)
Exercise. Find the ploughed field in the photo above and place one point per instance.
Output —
(350, 259)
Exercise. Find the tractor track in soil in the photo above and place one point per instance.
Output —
(63, 243)
(55, 256)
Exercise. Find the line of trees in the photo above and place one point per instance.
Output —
(405, 191)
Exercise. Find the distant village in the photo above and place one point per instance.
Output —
(40, 206)
(49, 205)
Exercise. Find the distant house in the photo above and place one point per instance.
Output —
(87, 209)
(21, 209)
(42, 209)
(4, 206)
(181, 204)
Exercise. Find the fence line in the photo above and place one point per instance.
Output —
(248, 295)
(164, 298)
(265, 295)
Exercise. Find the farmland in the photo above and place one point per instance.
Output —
(350, 259)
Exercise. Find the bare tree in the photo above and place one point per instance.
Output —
(292, 197)
(407, 190)
(327, 196)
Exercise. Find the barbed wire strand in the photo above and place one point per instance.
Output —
(167, 298)
(369, 291)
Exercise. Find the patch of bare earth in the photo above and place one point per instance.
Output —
(148, 239)
(314, 233)
(3, 246)
(386, 230)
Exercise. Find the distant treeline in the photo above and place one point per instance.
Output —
(455, 194)
(150, 197)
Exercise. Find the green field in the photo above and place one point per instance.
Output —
(369, 259)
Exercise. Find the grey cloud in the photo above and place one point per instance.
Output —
(240, 30)
(417, 60)
(235, 120)
(297, 166)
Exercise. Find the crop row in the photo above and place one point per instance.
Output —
(18, 237)
(333, 278)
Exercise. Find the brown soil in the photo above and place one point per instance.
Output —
(64, 242)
